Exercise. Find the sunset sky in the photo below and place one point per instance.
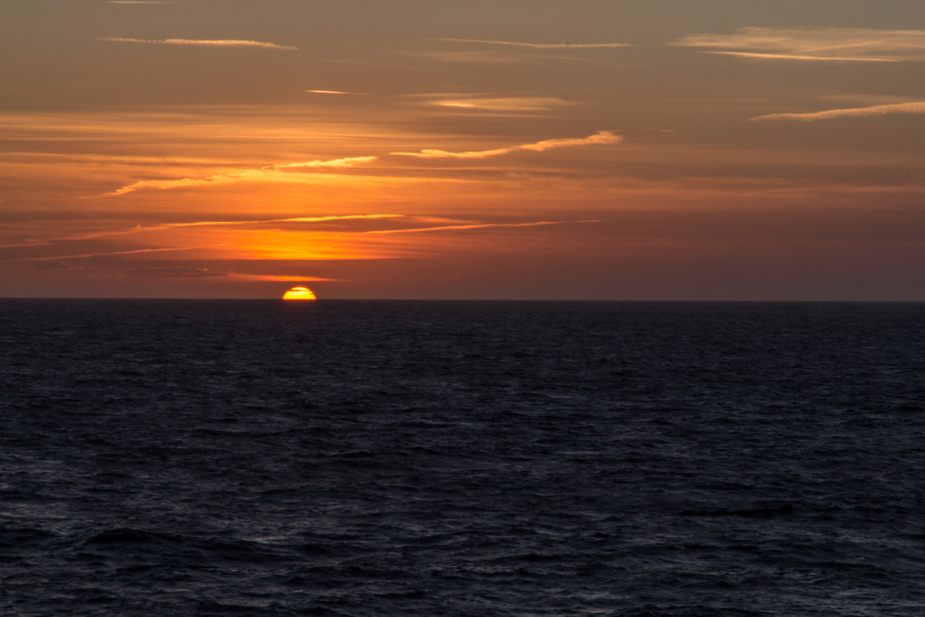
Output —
(503, 149)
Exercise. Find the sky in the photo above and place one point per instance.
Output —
(436, 149)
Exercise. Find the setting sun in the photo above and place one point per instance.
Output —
(299, 293)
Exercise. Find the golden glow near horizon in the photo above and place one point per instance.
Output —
(720, 150)
(299, 293)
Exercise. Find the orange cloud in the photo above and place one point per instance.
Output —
(186, 272)
(814, 44)
(856, 112)
(108, 253)
(603, 137)
(335, 92)
(760, 56)
(502, 104)
(536, 45)
(470, 226)
(168, 226)
(204, 43)
(268, 173)
(174, 272)
(277, 277)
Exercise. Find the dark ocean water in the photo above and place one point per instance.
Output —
(438, 458)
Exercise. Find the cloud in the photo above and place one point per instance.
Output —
(471, 57)
(814, 44)
(565, 45)
(186, 272)
(603, 137)
(278, 277)
(51, 265)
(345, 162)
(267, 173)
(504, 56)
(501, 104)
(169, 226)
(335, 92)
(467, 227)
(204, 43)
(759, 56)
(37, 260)
(301, 219)
(856, 112)
(174, 272)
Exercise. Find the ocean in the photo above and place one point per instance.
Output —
(367, 458)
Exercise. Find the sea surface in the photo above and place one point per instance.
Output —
(346, 458)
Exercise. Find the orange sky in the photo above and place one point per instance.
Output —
(534, 149)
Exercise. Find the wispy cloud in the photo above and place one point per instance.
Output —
(565, 45)
(814, 44)
(51, 265)
(603, 137)
(204, 43)
(471, 57)
(110, 253)
(267, 173)
(501, 104)
(186, 272)
(470, 226)
(344, 162)
(335, 92)
(855, 112)
(301, 219)
(139, 229)
(278, 277)
(516, 55)
(174, 272)
(761, 56)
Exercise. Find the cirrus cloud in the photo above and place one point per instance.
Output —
(565, 45)
(200, 42)
(602, 137)
(269, 173)
(814, 44)
(854, 112)
(188, 272)
(511, 104)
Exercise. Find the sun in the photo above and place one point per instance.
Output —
(299, 293)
